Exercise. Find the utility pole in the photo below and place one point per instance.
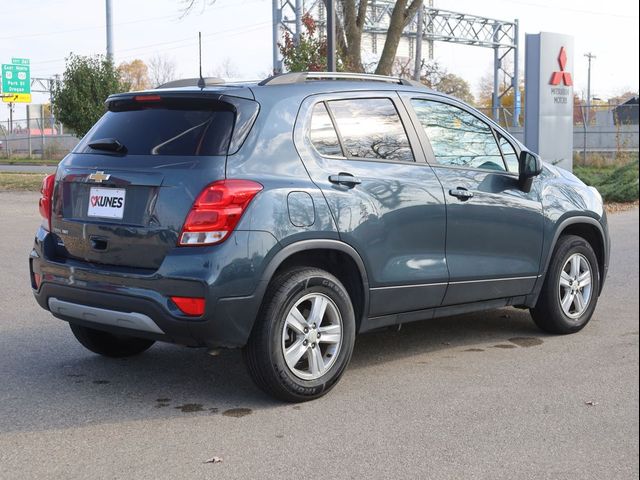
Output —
(298, 30)
(331, 35)
(418, 65)
(517, 101)
(495, 98)
(590, 57)
(109, 31)
(586, 118)
(275, 38)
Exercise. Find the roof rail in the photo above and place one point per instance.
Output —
(301, 77)
(192, 82)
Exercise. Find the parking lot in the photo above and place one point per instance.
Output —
(476, 396)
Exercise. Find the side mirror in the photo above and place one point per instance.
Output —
(530, 166)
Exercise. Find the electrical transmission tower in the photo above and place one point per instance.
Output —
(437, 26)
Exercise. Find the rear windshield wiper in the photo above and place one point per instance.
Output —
(108, 144)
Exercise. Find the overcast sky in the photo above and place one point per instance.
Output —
(45, 31)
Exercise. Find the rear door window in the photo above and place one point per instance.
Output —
(164, 128)
(322, 133)
(370, 128)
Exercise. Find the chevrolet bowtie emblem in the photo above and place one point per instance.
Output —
(99, 177)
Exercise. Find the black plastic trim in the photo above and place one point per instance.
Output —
(321, 244)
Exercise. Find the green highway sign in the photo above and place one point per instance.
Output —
(16, 81)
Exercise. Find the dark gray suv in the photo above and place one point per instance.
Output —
(287, 216)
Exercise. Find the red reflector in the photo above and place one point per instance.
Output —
(217, 211)
(147, 98)
(36, 280)
(46, 198)
(193, 306)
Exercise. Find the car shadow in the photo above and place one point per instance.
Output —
(476, 331)
(58, 384)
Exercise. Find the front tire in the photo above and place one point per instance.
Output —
(304, 335)
(570, 291)
(109, 344)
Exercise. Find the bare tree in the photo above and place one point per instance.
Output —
(349, 30)
(350, 35)
(162, 69)
(226, 69)
(188, 5)
(400, 18)
(402, 67)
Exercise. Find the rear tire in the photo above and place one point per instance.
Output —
(303, 337)
(570, 292)
(109, 344)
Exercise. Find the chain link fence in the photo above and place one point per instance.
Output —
(601, 134)
(35, 138)
(605, 134)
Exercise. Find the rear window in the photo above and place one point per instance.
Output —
(164, 128)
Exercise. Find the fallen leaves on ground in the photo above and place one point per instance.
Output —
(213, 460)
(614, 207)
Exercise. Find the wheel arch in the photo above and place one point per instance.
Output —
(588, 228)
(338, 258)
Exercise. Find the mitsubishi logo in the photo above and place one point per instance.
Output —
(99, 177)
(561, 76)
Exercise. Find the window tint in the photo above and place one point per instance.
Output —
(371, 128)
(322, 134)
(509, 154)
(457, 137)
(165, 130)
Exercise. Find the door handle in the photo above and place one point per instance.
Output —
(461, 193)
(345, 179)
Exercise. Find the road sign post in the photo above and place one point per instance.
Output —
(16, 81)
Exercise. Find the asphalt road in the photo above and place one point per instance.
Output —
(476, 396)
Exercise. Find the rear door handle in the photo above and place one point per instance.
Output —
(345, 179)
(461, 193)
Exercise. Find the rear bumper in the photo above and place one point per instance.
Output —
(221, 331)
(137, 303)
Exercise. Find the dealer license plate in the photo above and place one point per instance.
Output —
(106, 202)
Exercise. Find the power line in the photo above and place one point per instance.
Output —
(59, 32)
(229, 33)
(555, 6)
(132, 22)
(184, 42)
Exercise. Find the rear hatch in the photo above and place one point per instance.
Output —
(122, 195)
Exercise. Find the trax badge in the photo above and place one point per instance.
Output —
(99, 176)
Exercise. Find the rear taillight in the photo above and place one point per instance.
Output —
(217, 211)
(46, 199)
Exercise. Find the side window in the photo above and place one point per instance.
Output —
(371, 128)
(457, 137)
(322, 133)
(509, 154)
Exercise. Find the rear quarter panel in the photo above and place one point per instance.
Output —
(269, 157)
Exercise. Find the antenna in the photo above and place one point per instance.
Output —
(201, 83)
